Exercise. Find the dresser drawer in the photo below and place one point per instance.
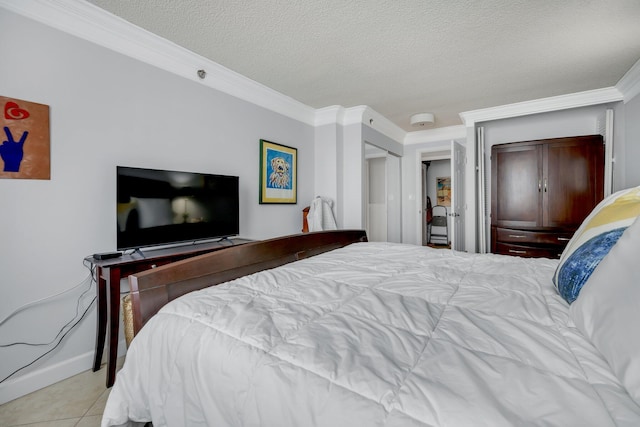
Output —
(533, 237)
(528, 251)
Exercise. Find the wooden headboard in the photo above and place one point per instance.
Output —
(152, 289)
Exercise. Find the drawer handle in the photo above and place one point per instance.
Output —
(519, 236)
(515, 251)
(564, 239)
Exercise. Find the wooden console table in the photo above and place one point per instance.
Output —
(108, 274)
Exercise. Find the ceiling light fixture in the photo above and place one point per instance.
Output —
(422, 119)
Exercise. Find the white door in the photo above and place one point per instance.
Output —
(394, 199)
(377, 198)
(458, 156)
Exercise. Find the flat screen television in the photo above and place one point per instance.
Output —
(164, 207)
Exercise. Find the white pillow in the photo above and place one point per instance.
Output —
(608, 309)
(596, 236)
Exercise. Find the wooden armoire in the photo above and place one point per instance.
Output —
(541, 191)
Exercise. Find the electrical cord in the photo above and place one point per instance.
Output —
(61, 330)
(54, 347)
(62, 333)
(27, 305)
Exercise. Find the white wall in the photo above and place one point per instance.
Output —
(106, 110)
(351, 209)
(373, 137)
(557, 124)
(326, 157)
(630, 162)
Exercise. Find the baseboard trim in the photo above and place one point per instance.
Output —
(36, 380)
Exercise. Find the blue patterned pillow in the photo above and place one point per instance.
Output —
(581, 263)
(597, 234)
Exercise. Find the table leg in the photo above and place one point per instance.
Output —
(114, 323)
(101, 322)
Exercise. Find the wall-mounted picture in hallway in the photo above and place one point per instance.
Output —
(24, 140)
(278, 173)
(444, 190)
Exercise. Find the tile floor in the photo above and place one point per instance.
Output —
(76, 401)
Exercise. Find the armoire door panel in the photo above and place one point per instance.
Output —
(573, 172)
(517, 194)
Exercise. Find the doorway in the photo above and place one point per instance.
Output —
(440, 180)
(436, 189)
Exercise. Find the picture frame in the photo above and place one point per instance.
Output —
(443, 190)
(278, 173)
(25, 146)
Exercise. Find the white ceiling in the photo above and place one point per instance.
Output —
(401, 57)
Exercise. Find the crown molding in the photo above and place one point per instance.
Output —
(435, 135)
(89, 22)
(361, 114)
(329, 115)
(543, 105)
(377, 121)
(354, 115)
(629, 84)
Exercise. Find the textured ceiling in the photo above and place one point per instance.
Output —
(402, 57)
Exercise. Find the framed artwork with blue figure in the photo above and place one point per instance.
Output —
(278, 173)
(24, 140)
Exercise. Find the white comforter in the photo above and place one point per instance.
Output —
(374, 334)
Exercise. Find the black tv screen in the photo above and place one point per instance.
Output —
(162, 207)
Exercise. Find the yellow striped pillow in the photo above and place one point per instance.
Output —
(593, 240)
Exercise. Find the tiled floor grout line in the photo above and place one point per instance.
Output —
(87, 414)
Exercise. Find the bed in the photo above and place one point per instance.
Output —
(326, 329)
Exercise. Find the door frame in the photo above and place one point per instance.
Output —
(458, 199)
(426, 154)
